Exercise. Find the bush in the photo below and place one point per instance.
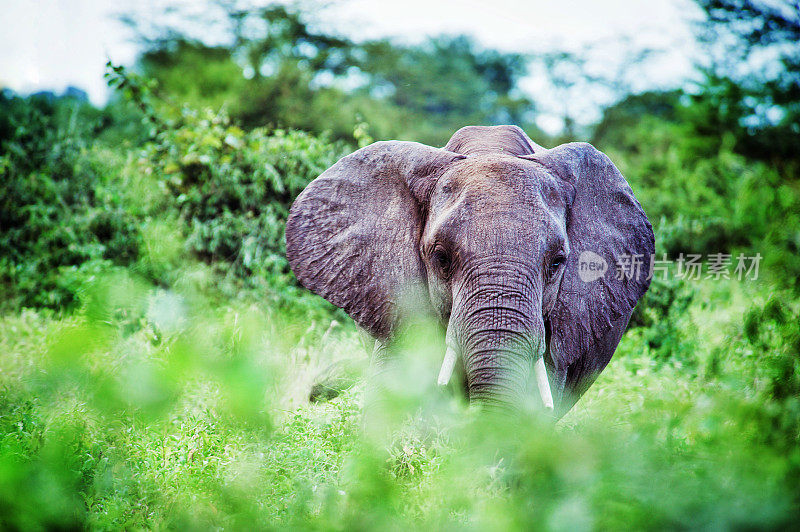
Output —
(232, 189)
(771, 334)
(703, 197)
(662, 316)
(200, 187)
(228, 191)
(61, 207)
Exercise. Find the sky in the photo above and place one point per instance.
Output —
(52, 44)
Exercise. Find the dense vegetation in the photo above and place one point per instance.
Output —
(157, 352)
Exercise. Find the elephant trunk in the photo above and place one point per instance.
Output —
(497, 367)
(497, 325)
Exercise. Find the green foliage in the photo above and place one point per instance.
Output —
(225, 192)
(714, 168)
(74, 207)
(194, 74)
(61, 210)
(232, 190)
(618, 119)
(449, 81)
(700, 195)
(279, 70)
(751, 88)
(662, 315)
(156, 408)
(771, 336)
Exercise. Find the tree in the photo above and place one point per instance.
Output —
(279, 69)
(449, 79)
(752, 83)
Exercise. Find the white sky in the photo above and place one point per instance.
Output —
(51, 44)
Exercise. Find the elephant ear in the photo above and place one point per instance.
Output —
(352, 235)
(611, 243)
(472, 140)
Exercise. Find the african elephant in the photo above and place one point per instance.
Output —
(517, 248)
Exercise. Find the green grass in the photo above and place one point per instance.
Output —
(152, 409)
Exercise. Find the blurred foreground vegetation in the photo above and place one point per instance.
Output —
(157, 352)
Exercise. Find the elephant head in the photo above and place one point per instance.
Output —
(516, 246)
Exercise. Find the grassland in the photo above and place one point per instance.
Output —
(157, 409)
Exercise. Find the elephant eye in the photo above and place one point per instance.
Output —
(441, 259)
(556, 263)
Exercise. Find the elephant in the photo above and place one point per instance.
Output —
(517, 249)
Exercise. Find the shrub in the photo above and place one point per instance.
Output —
(232, 189)
(229, 190)
(706, 198)
(772, 331)
(199, 187)
(58, 210)
(662, 315)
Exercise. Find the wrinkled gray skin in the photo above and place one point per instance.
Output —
(492, 227)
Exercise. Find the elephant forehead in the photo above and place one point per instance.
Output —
(496, 180)
(498, 175)
(494, 205)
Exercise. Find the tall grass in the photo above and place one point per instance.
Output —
(155, 408)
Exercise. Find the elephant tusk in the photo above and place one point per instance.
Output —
(448, 364)
(543, 382)
(449, 361)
